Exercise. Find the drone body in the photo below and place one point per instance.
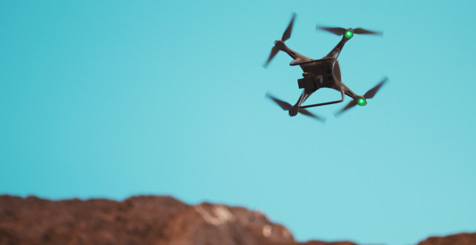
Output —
(321, 73)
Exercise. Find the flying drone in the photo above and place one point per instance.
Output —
(321, 73)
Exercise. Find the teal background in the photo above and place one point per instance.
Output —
(117, 98)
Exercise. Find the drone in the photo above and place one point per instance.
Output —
(321, 73)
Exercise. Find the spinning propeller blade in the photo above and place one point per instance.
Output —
(336, 30)
(284, 105)
(371, 93)
(286, 36)
(339, 31)
(347, 107)
(309, 114)
(273, 53)
(364, 31)
(287, 32)
(368, 95)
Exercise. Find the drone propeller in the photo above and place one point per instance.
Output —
(371, 93)
(309, 114)
(286, 36)
(289, 29)
(368, 95)
(283, 104)
(364, 31)
(348, 106)
(274, 51)
(336, 30)
(341, 31)
(286, 106)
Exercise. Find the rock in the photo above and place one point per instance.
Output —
(148, 220)
(459, 239)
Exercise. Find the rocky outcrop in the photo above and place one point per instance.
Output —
(137, 220)
(144, 220)
(458, 239)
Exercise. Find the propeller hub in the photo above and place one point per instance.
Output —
(293, 111)
(279, 44)
(361, 101)
(349, 34)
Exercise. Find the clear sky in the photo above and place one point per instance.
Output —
(117, 98)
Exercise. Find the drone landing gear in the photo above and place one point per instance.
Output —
(325, 103)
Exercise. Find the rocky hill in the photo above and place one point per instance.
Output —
(144, 220)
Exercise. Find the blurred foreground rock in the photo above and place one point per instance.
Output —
(458, 239)
(144, 220)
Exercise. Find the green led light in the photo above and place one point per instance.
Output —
(361, 101)
(348, 34)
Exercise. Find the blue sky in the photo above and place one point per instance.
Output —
(115, 98)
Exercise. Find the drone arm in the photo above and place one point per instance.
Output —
(335, 52)
(298, 62)
(326, 103)
(297, 57)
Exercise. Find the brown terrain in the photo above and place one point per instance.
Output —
(144, 220)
